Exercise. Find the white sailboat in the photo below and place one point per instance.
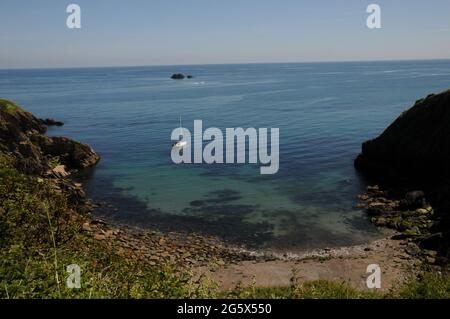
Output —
(180, 144)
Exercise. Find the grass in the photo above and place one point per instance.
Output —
(319, 289)
(40, 234)
(432, 285)
(7, 106)
(429, 286)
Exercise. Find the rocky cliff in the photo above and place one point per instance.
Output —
(416, 147)
(414, 153)
(23, 136)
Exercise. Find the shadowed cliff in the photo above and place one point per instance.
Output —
(416, 147)
(414, 153)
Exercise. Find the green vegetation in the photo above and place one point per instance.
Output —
(7, 106)
(54, 161)
(430, 286)
(40, 234)
(311, 290)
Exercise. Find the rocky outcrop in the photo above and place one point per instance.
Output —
(52, 122)
(178, 76)
(71, 153)
(416, 147)
(23, 136)
(414, 153)
(410, 216)
(181, 76)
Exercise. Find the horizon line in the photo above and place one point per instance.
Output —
(216, 64)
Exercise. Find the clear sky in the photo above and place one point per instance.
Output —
(153, 32)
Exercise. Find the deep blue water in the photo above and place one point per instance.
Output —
(324, 113)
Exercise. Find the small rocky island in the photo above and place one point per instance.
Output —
(181, 76)
(411, 160)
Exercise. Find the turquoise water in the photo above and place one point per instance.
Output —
(324, 113)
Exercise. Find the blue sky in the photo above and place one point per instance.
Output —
(154, 32)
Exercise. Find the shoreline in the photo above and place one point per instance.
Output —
(233, 267)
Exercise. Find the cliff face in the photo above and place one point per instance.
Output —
(23, 136)
(415, 148)
(414, 153)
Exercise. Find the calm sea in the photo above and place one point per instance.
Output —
(324, 112)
